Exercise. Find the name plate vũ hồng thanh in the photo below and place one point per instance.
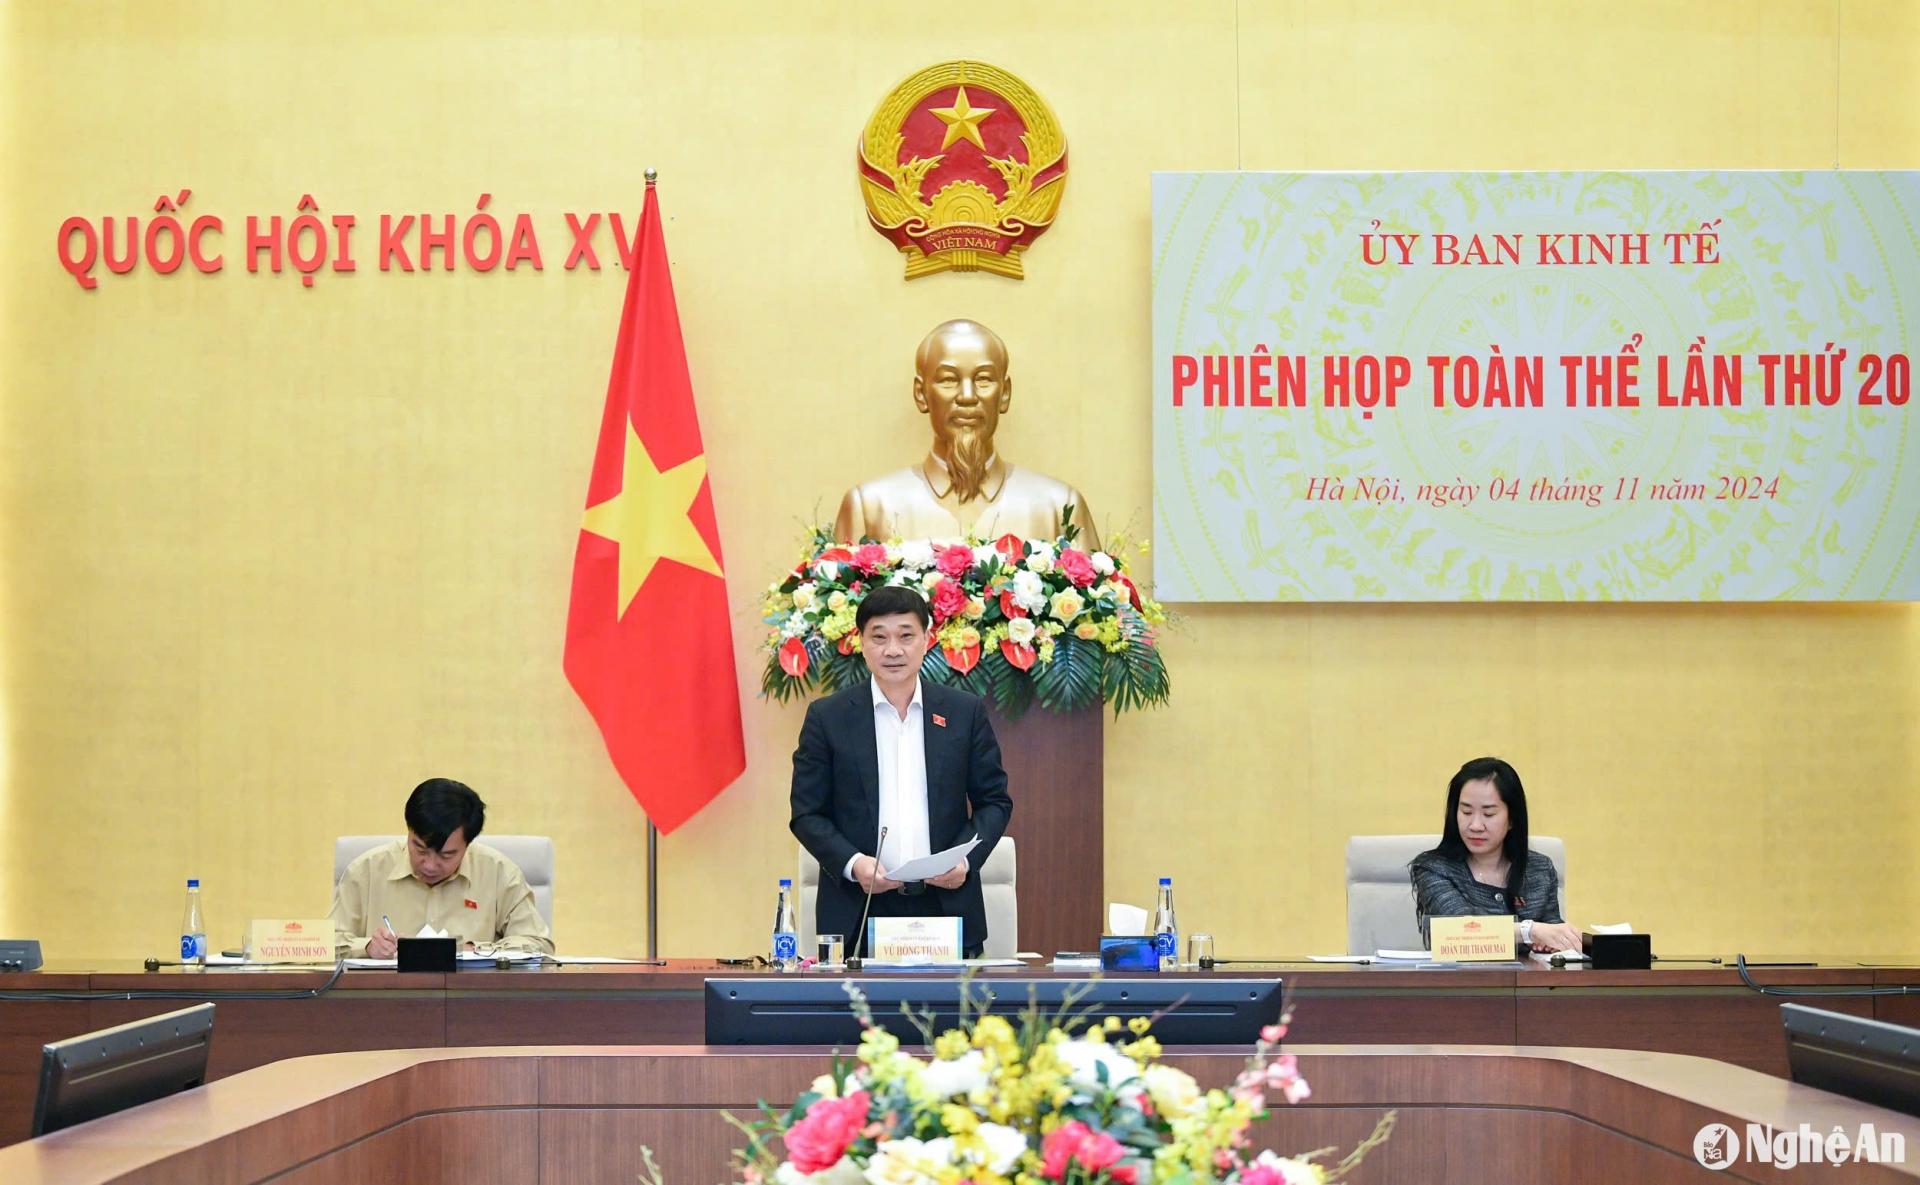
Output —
(914, 940)
(290, 940)
(1472, 939)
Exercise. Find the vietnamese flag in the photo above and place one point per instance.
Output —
(649, 644)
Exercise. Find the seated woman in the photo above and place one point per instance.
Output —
(1483, 865)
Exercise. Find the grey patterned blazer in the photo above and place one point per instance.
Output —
(1445, 888)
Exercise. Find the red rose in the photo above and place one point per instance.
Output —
(948, 599)
(955, 561)
(869, 558)
(820, 1138)
(1123, 1174)
(1078, 566)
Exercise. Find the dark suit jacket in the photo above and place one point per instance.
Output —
(836, 798)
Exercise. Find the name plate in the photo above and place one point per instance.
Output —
(909, 940)
(1472, 940)
(290, 940)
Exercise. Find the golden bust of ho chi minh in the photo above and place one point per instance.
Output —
(962, 486)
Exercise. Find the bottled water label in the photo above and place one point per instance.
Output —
(1166, 944)
(193, 947)
(786, 946)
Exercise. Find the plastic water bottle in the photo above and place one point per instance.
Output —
(1166, 931)
(193, 927)
(786, 939)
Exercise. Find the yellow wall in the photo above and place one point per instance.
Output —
(273, 555)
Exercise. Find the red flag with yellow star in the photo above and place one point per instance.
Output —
(649, 644)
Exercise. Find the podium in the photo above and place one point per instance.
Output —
(1055, 766)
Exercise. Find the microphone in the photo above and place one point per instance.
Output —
(854, 961)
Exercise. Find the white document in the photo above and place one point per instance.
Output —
(938, 864)
(1339, 958)
(372, 964)
(1404, 956)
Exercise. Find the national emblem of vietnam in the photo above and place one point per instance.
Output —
(962, 167)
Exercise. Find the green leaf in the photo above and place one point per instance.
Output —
(1072, 680)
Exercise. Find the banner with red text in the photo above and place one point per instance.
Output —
(1671, 386)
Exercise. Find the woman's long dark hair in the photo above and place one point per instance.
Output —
(1507, 784)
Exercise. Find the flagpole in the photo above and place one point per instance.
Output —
(653, 833)
(653, 888)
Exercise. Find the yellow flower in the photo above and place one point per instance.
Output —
(976, 608)
(1139, 1025)
(957, 1119)
(1067, 604)
(950, 1044)
(1086, 631)
(837, 602)
(803, 597)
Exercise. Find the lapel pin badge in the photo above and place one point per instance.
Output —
(939, 721)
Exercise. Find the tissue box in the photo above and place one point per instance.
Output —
(426, 954)
(1618, 952)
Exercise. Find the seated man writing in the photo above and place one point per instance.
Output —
(437, 876)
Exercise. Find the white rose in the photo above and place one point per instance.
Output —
(837, 602)
(917, 553)
(1004, 1146)
(1174, 1092)
(840, 1172)
(1103, 563)
(803, 597)
(893, 553)
(1029, 592)
(985, 553)
(1020, 631)
(827, 570)
(961, 1075)
(1041, 559)
(931, 579)
(1084, 1059)
(900, 1162)
(1067, 604)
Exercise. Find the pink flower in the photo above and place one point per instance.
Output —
(820, 1138)
(1099, 1152)
(1059, 1146)
(1296, 1090)
(955, 561)
(869, 557)
(1095, 1151)
(1273, 1034)
(1263, 1173)
(1078, 566)
(948, 599)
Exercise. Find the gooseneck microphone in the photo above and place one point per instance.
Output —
(854, 961)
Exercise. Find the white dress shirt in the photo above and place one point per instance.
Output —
(902, 749)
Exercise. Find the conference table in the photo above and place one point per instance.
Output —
(1700, 1010)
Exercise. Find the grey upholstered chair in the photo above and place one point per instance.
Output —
(1380, 893)
(533, 853)
(996, 890)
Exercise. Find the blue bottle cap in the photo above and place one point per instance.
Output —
(193, 882)
(1166, 880)
(786, 882)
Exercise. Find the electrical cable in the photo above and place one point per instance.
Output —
(312, 993)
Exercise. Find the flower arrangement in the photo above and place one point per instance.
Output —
(1014, 620)
(1000, 1104)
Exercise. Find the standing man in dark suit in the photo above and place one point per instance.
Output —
(914, 758)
